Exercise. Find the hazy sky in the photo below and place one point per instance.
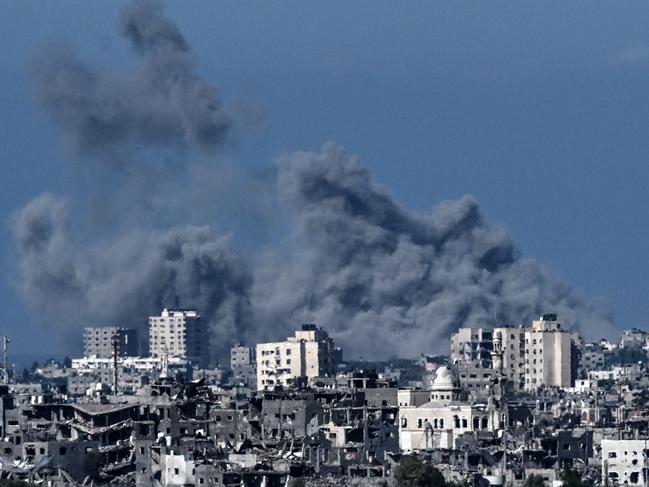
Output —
(538, 109)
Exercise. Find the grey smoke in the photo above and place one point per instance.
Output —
(72, 284)
(384, 280)
(162, 103)
(390, 282)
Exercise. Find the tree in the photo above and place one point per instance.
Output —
(412, 472)
(534, 481)
(572, 478)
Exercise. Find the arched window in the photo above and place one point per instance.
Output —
(456, 421)
(465, 423)
(435, 423)
(485, 423)
(404, 421)
(476, 423)
(420, 422)
(441, 423)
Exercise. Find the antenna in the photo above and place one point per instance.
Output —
(115, 341)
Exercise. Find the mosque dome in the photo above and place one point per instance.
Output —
(444, 379)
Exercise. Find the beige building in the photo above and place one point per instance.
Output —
(308, 354)
(179, 333)
(548, 354)
(528, 357)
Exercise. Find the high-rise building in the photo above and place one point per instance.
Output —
(548, 354)
(529, 357)
(512, 350)
(308, 354)
(243, 365)
(472, 346)
(98, 341)
(179, 333)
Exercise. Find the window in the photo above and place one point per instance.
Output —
(176, 471)
(404, 421)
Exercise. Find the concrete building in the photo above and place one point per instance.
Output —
(98, 341)
(308, 354)
(623, 462)
(472, 345)
(244, 365)
(439, 422)
(179, 333)
(548, 354)
(513, 354)
(633, 338)
(592, 358)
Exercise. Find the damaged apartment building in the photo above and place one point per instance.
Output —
(506, 405)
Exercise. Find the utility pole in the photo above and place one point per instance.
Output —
(115, 341)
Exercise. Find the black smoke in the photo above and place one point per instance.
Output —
(382, 279)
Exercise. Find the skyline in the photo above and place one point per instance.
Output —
(571, 260)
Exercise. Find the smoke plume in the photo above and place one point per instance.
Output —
(129, 278)
(107, 116)
(382, 279)
(388, 281)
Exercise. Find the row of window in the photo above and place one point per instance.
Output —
(438, 423)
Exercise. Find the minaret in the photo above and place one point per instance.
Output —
(497, 354)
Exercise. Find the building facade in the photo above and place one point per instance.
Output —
(244, 365)
(472, 345)
(512, 341)
(98, 341)
(306, 355)
(623, 462)
(179, 333)
(548, 354)
(443, 418)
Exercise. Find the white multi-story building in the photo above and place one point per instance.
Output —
(623, 462)
(179, 333)
(308, 354)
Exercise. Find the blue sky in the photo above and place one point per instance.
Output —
(538, 109)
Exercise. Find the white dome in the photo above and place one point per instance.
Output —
(444, 379)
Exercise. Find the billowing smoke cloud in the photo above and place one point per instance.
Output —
(384, 280)
(127, 279)
(108, 116)
(391, 282)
